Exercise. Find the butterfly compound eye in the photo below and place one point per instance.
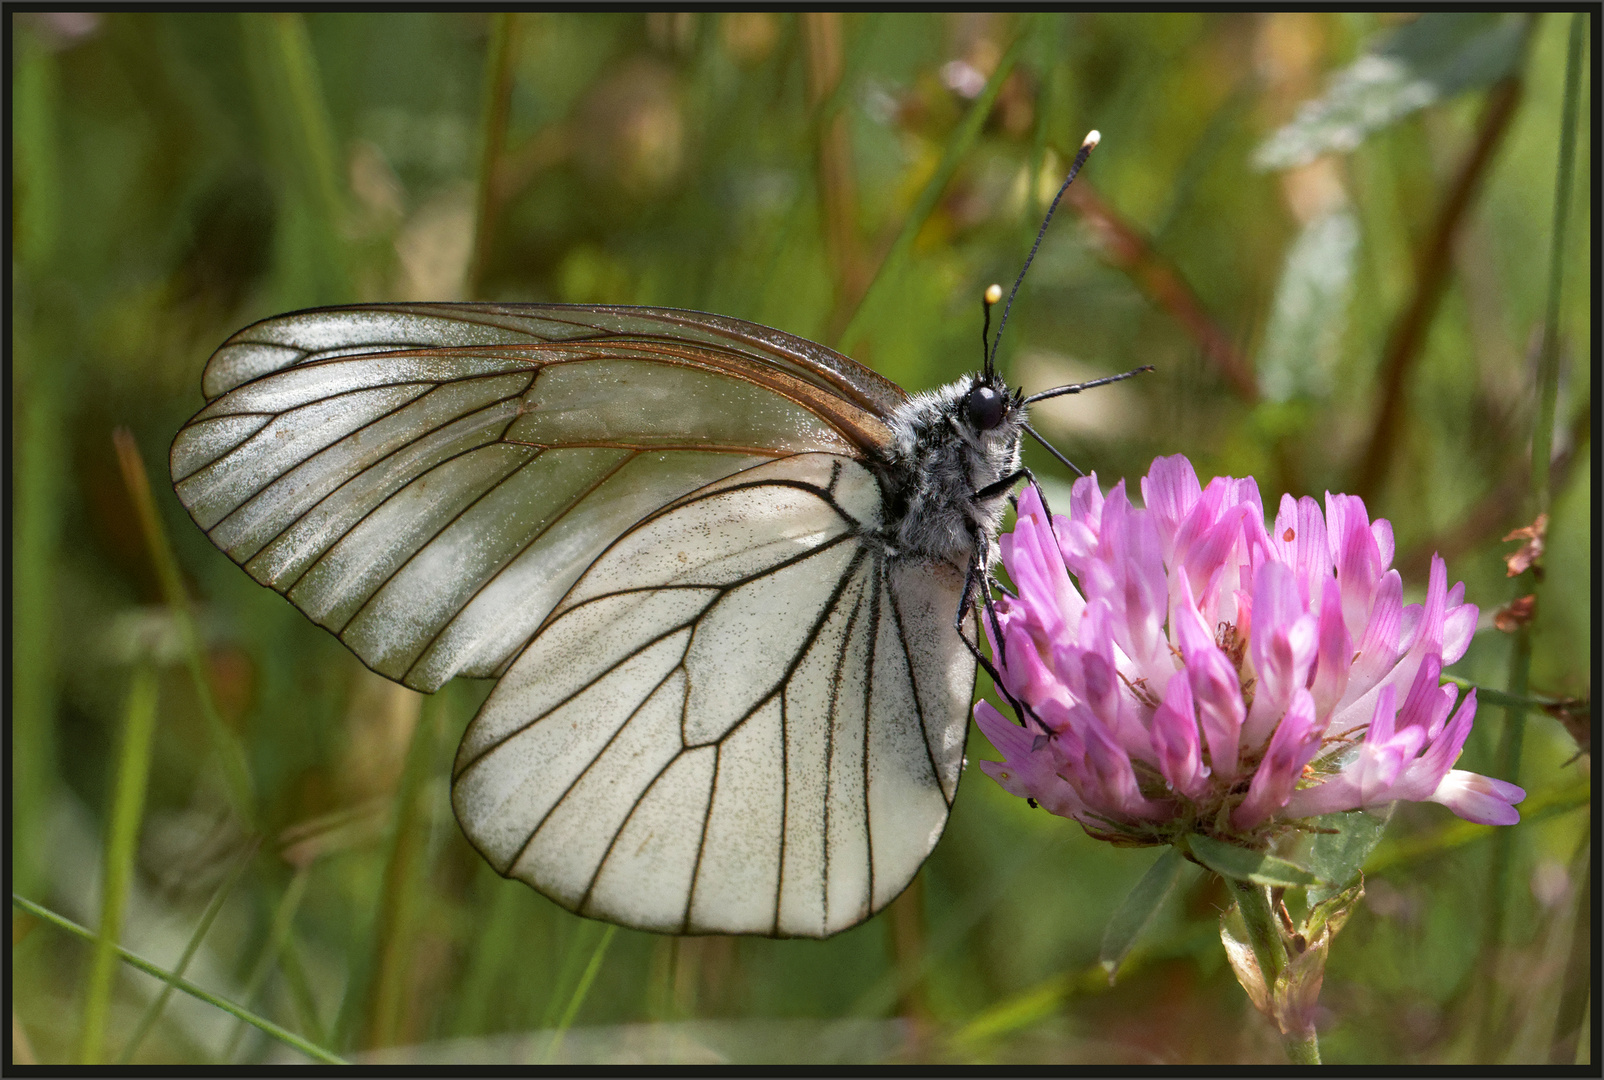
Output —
(985, 407)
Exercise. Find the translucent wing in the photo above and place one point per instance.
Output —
(437, 486)
(744, 718)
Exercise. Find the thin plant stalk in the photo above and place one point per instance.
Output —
(313, 131)
(37, 471)
(289, 1038)
(1548, 355)
(154, 1012)
(495, 108)
(299, 985)
(958, 146)
(236, 772)
(580, 992)
(572, 966)
(1510, 748)
(117, 865)
(309, 247)
(278, 932)
(1406, 340)
(1271, 953)
(373, 1005)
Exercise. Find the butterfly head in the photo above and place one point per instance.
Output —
(988, 404)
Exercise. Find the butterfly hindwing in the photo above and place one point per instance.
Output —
(724, 726)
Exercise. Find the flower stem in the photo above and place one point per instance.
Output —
(1264, 934)
(1302, 1049)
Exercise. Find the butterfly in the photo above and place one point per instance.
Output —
(724, 577)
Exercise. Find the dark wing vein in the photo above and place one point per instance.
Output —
(868, 702)
(918, 704)
(557, 518)
(829, 744)
(591, 764)
(425, 433)
(777, 689)
(718, 591)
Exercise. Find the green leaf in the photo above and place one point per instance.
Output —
(1138, 909)
(1240, 864)
(1436, 56)
(1337, 856)
(1310, 310)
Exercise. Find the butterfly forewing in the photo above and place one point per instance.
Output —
(726, 705)
(388, 495)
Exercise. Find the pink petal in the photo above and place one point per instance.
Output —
(1175, 738)
(1378, 650)
(1282, 645)
(1294, 744)
(1420, 705)
(1024, 771)
(1210, 550)
(1202, 518)
(1381, 529)
(1299, 541)
(1458, 627)
(1357, 558)
(1479, 798)
(1334, 657)
(1214, 687)
(1110, 770)
(1169, 491)
(1079, 541)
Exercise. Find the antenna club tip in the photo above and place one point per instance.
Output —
(1093, 137)
(993, 294)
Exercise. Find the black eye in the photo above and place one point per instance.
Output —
(986, 407)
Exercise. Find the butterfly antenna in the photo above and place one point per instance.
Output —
(1075, 388)
(992, 294)
(1086, 147)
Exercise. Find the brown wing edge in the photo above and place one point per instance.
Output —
(525, 323)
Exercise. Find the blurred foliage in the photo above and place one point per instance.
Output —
(177, 176)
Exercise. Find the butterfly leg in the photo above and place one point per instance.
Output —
(977, 575)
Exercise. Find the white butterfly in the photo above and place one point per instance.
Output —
(717, 570)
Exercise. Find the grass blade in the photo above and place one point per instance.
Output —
(580, 991)
(122, 834)
(154, 1013)
(958, 147)
(37, 471)
(372, 1008)
(310, 252)
(137, 961)
(299, 985)
(277, 934)
(495, 108)
(1510, 746)
(1548, 356)
(236, 773)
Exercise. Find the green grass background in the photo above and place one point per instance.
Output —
(223, 780)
